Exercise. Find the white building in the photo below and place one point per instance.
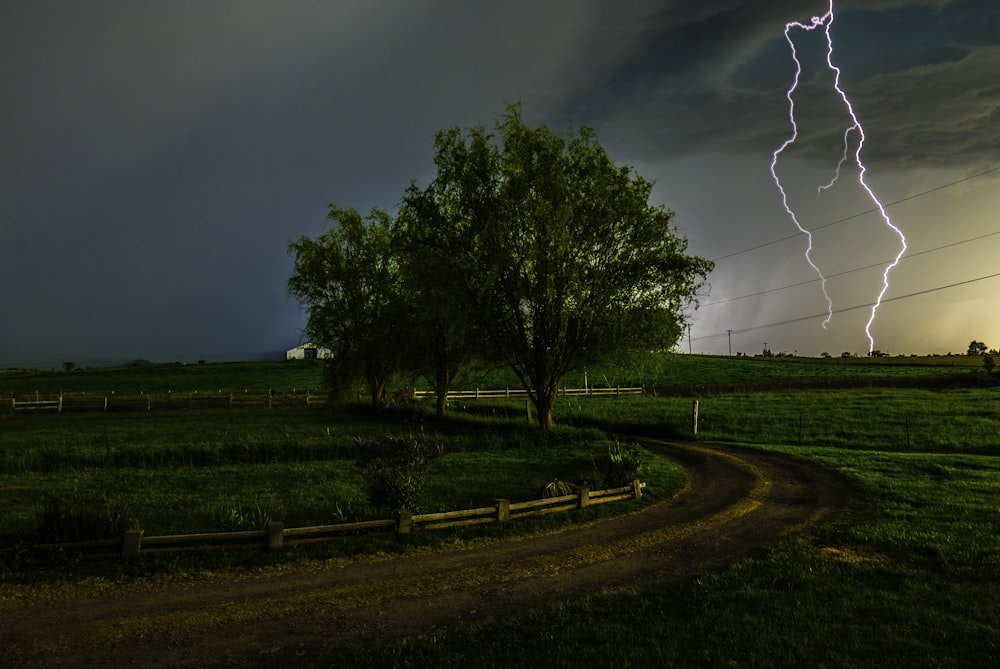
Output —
(307, 352)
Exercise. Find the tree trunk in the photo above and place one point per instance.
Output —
(442, 402)
(377, 387)
(443, 385)
(545, 401)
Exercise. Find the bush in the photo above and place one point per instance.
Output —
(392, 486)
(394, 470)
(623, 465)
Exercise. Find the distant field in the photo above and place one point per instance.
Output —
(666, 372)
(230, 377)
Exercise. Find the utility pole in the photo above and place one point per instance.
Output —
(689, 338)
(730, 333)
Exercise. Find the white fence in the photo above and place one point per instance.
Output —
(487, 393)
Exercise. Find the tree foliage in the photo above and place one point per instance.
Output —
(443, 340)
(350, 282)
(553, 249)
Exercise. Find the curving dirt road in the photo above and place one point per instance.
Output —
(734, 501)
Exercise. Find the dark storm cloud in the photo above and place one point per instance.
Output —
(714, 79)
(157, 157)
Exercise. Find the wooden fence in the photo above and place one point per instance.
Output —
(276, 535)
(85, 402)
(485, 393)
(157, 401)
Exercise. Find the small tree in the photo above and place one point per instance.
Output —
(989, 363)
(976, 348)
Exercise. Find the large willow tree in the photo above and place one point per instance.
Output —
(553, 249)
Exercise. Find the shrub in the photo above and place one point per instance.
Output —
(623, 465)
(393, 486)
(394, 470)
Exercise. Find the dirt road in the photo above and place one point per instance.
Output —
(734, 502)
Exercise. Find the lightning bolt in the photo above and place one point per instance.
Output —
(826, 23)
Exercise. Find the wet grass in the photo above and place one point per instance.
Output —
(909, 573)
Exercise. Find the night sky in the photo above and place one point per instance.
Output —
(157, 157)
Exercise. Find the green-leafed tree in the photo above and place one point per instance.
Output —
(443, 340)
(552, 248)
(350, 282)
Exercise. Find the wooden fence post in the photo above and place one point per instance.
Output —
(503, 510)
(404, 521)
(636, 488)
(275, 534)
(584, 496)
(131, 543)
(694, 417)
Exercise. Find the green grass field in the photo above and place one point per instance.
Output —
(910, 572)
(908, 577)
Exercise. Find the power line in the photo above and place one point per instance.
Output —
(859, 214)
(845, 309)
(850, 271)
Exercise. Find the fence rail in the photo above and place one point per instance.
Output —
(276, 535)
(151, 402)
(157, 401)
(487, 393)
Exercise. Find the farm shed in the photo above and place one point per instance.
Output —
(307, 352)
